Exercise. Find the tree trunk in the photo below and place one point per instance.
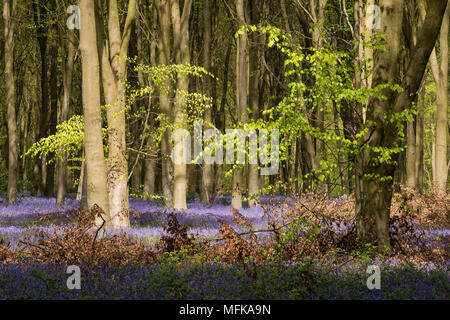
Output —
(84, 188)
(220, 115)
(40, 13)
(5, 153)
(414, 153)
(53, 119)
(180, 23)
(411, 155)
(26, 121)
(164, 54)
(114, 76)
(150, 161)
(150, 165)
(340, 158)
(93, 140)
(364, 49)
(241, 97)
(313, 146)
(440, 74)
(9, 12)
(420, 141)
(374, 196)
(67, 96)
(207, 169)
(82, 174)
(318, 14)
(253, 99)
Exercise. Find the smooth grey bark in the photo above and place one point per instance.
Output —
(66, 104)
(82, 175)
(9, 11)
(440, 74)
(97, 189)
(420, 130)
(164, 56)
(40, 14)
(414, 131)
(253, 99)
(317, 10)
(411, 155)
(241, 97)
(53, 119)
(150, 160)
(206, 189)
(374, 196)
(180, 26)
(114, 75)
(25, 129)
(220, 115)
(150, 172)
(84, 188)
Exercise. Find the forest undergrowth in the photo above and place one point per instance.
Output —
(313, 237)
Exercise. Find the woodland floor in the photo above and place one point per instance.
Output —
(279, 250)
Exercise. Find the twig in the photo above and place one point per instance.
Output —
(98, 230)
(348, 19)
(141, 146)
(306, 11)
(33, 245)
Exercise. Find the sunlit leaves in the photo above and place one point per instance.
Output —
(68, 139)
(332, 73)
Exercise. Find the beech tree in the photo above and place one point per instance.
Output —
(68, 65)
(113, 53)
(206, 190)
(9, 12)
(180, 24)
(241, 97)
(254, 59)
(164, 57)
(375, 179)
(338, 81)
(440, 74)
(97, 190)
